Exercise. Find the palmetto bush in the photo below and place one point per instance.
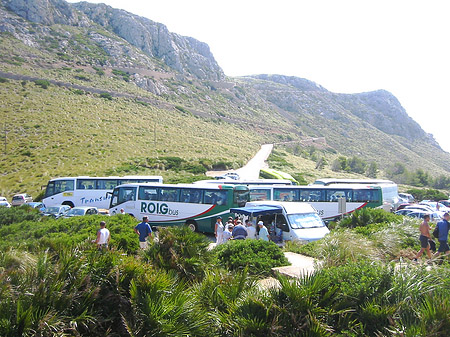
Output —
(182, 250)
(257, 255)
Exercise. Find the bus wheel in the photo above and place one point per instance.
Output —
(192, 225)
(68, 203)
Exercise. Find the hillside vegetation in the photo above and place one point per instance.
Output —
(81, 97)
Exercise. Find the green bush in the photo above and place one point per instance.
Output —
(367, 216)
(180, 249)
(67, 232)
(427, 194)
(44, 84)
(106, 95)
(257, 255)
(12, 215)
(3, 80)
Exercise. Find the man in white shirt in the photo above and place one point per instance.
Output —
(251, 230)
(263, 232)
(103, 236)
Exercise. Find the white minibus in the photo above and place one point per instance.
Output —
(295, 221)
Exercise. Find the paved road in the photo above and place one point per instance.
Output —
(251, 170)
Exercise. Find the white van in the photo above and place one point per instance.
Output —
(293, 221)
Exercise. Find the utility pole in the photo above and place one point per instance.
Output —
(5, 140)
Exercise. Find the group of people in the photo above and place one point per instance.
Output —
(235, 230)
(427, 244)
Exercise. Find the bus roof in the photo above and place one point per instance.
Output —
(330, 187)
(246, 182)
(329, 181)
(199, 186)
(108, 177)
(289, 207)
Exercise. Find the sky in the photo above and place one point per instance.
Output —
(347, 46)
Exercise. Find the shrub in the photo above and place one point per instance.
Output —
(427, 194)
(12, 215)
(3, 80)
(106, 95)
(366, 216)
(257, 255)
(55, 233)
(44, 84)
(180, 249)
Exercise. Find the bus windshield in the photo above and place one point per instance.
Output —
(58, 186)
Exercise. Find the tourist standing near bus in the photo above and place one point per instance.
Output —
(443, 227)
(424, 238)
(227, 233)
(239, 231)
(251, 230)
(218, 231)
(144, 231)
(103, 236)
(263, 232)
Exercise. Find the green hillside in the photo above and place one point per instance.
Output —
(79, 96)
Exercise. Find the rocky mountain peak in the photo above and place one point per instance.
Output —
(186, 55)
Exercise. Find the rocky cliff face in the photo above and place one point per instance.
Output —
(47, 12)
(186, 55)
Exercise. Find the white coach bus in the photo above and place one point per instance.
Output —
(88, 191)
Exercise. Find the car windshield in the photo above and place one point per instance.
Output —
(53, 210)
(309, 220)
(76, 211)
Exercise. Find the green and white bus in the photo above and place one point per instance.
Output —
(194, 205)
(325, 199)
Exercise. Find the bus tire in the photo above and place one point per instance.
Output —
(68, 203)
(191, 225)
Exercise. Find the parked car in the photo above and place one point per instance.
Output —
(56, 211)
(81, 210)
(20, 199)
(436, 206)
(38, 205)
(424, 208)
(420, 214)
(405, 211)
(406, 197)
(403, 205)
(446, 203)
(229, 175)
(4, 202)
(103, 211)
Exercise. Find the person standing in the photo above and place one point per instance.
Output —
(218, 231)
(263, 232)
(227, 233)
(103, 237)
(424, 238)
(239, 231)
(144, 231)
(251, 230)
(443, 227)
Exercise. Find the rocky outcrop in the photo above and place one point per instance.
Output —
(382, 110)
(297, 82)
(184, 54)
(47, 12)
